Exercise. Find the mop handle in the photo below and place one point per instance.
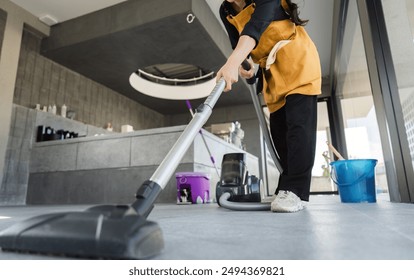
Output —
(332, 148)
(187, 102)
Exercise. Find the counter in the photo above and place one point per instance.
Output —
(110, 168)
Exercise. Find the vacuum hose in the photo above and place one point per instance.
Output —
(242, 206)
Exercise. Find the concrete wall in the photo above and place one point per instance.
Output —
(12, 28)
(16, 172)
(10, 47)
(3, 17)
(42, 81)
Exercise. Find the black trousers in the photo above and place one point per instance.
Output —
(293, 130)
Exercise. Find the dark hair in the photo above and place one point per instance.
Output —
(294, 14)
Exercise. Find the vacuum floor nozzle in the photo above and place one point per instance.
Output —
(104, 232)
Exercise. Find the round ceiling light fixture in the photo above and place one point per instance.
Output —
(173, 81)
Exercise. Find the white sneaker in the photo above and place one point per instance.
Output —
(269, 199)
(286, 201)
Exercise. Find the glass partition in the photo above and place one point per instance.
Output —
(321, 182)
(355, 95)
(399, 19)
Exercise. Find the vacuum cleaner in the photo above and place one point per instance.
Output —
(110, 231)
(236, 189)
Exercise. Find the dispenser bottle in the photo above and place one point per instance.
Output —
(63, 111)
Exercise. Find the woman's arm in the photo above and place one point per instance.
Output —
(263, 15)
(230, 70)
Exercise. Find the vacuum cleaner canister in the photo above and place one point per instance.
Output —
(108, 232)
(236, 180)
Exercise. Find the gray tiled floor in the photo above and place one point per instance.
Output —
(327, 229)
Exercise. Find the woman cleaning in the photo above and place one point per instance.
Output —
(273, 36)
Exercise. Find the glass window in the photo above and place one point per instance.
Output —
(321, 181)
(354, 91)
(399, 18)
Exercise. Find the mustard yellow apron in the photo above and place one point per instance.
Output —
(295, 67)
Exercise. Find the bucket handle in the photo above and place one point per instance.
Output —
(348, 184)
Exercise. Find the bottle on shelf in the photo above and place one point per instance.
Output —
(63, 111)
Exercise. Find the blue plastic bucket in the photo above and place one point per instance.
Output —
(355, 179)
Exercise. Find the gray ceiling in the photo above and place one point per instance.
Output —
(109, 44)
